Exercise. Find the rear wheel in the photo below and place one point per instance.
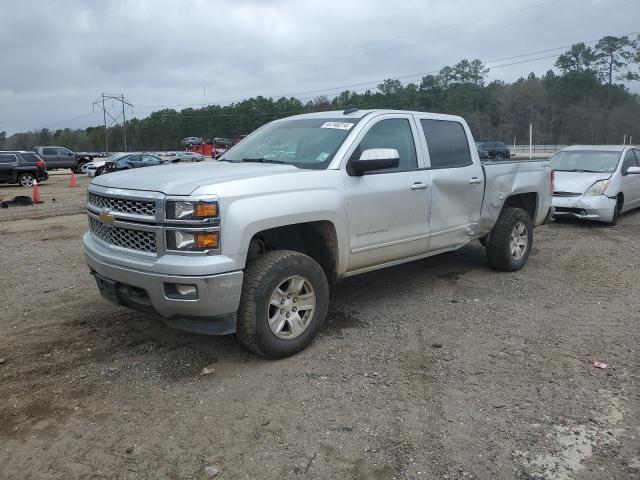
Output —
(510, 241)
(284, 302)
(26, 179)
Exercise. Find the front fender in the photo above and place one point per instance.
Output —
(242, 218)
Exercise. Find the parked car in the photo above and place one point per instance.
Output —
(238, 139)
(250, 244)
(495, 150)
(22, 168)
(132, 160)
(61, 157)
(191, 141)
(596, 182)
(97, 167)
(483, 154)
(187, 157)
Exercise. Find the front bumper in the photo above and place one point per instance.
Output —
(213, 312)
(598, 207)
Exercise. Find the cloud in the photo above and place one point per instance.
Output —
(58, 56)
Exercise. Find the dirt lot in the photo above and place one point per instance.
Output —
(436, 369)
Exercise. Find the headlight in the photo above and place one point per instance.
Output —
(597, 188)
(180, 210)
(194, 241)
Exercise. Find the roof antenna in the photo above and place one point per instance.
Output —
(350, 109)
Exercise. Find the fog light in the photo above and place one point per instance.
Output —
(179, 291)
(187, 290)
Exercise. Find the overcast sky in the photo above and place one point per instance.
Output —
(59, 55)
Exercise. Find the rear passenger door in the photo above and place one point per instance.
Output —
(457, 182)
(50, 157)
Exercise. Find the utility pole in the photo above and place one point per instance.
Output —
(114, 97)
(104, 116)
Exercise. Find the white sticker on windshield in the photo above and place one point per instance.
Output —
(322, 157)
(340, 125)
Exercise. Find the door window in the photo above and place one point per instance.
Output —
(64, 152)
(629, 161)
(391, 133)
(637, 154)
(447, 143)
(49, 151)
(8, 159)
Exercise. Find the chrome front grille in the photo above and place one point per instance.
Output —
(139, 240)
(136, 207)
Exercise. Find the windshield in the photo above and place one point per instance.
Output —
(304, 143)
(586, 161)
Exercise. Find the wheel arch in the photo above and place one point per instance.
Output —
(318, 239)
(526, 201)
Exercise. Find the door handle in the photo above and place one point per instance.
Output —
(475, 181)
(419, 186)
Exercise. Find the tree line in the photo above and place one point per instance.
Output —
(580, 101)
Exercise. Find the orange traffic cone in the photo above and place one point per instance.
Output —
(35, 192)
(73, 181)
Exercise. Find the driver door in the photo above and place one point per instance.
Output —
(630, 182)
(388, 209)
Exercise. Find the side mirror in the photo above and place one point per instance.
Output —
(633, 170)
(71, 154)
(376, 159)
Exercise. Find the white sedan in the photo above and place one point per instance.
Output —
(96, 167)
(596, 182)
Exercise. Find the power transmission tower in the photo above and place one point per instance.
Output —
(101, 103)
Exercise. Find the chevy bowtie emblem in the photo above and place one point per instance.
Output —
(106, 217)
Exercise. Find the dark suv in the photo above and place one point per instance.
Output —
(22, 167)
(496, 150)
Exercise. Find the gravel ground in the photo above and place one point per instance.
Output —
(440, 368)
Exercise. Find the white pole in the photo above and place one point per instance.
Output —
(530, 141)
(630, 138)
(624, 141)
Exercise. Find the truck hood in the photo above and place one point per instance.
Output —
(183, 179)
(577, 182)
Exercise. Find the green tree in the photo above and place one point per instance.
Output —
(577, 59)
(612, 55)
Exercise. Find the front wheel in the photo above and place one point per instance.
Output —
(82, 168)
(283, 305)
(510, 240)
(616, 213)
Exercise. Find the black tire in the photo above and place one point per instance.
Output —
(499, 253)
(261, 277)
(81, 168)
(26, 179)
(99, 171)
(616, 213)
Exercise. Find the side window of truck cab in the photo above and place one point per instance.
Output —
(391, 133)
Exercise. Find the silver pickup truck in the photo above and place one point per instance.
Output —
(249, 244)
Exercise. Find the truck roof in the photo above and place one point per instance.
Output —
(362, 113)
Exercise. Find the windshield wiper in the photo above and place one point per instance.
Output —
(262, 160)
(578, 170)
